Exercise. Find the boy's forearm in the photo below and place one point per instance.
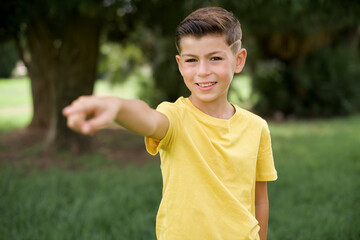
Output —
(262, 208)
(262, 215)
(136, 116)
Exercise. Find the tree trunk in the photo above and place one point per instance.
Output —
(75, 77)
(62, 66)
(35, 48)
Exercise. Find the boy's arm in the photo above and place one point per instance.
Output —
(262, 208)
(88, 114)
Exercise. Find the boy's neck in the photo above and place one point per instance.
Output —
(218, 109)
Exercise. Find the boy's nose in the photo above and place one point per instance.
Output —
(203, 69)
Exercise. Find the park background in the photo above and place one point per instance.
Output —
(302, 75)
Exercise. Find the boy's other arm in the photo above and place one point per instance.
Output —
(262, 208)
(88, 114)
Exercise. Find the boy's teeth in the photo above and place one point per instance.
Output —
(205, 84)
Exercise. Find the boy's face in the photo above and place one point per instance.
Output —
(207, 65)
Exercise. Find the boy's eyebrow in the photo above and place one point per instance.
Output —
(208, 54)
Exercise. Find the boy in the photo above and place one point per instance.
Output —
(215, 157)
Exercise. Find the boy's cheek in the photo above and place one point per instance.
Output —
(186, 72)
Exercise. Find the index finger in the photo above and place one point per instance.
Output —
(79, 105)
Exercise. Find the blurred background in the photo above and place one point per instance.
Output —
(302, 74)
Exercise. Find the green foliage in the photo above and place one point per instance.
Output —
(263, 17)
(329, 79)
(118, 62)
(269, 83)
(326, 83)
(166, 73)
(126, 65)
(15, 15)
(8, 59)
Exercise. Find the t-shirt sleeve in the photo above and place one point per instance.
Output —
(153, 145)
(265, 168)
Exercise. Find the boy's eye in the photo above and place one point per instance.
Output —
(216, 58)
(190, 60)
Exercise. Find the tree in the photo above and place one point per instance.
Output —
(8, 59)
(59, 42)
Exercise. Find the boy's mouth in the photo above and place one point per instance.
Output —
(207, 84)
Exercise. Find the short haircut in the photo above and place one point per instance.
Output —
(211, 20)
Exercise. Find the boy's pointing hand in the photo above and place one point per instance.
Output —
(88, 114)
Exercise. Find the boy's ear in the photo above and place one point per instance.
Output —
(240, 60)
(178, 60)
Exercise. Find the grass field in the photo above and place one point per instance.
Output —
(15, 103)
(316, 196)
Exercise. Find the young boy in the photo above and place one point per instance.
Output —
(215, 157)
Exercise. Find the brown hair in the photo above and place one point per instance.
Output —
(210, 20)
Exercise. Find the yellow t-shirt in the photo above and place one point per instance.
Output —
(209, 169)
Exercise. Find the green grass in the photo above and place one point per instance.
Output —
(15, 103)
(316, 196)
(87, 204)
(15, 92)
